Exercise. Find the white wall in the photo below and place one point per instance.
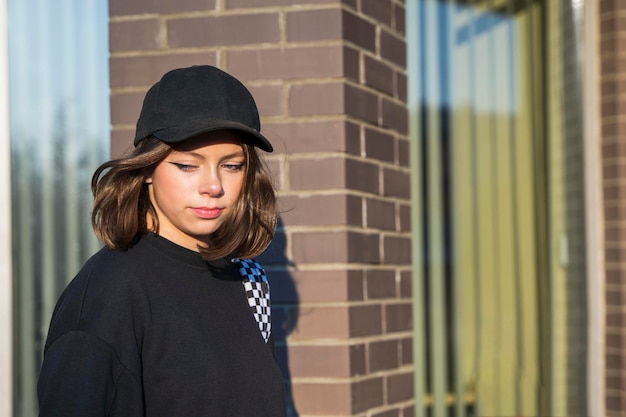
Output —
(6, 275)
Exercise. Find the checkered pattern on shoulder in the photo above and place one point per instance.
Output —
(258, 291)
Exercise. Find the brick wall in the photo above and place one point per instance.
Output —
(329, 78)
(613, 124)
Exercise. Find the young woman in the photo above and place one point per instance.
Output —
(171, 317)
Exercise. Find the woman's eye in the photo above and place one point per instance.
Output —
(233, 167)
(183, 167)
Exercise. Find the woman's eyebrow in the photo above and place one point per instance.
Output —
(200, 156)
(233, 155)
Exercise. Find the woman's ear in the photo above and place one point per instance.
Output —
(147, 180)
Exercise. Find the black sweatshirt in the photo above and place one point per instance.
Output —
(157, 331)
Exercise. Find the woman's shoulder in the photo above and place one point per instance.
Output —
(121, 266)
(107, 267)
(104, 294)
(127, 276)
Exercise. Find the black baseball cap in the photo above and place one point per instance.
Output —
(189, 101)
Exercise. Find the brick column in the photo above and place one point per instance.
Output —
(613, 117)
(329, 78)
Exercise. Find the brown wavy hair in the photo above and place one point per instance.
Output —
(122, 209)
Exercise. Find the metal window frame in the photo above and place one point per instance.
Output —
(594, 215)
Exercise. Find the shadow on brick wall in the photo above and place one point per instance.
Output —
(285, 304)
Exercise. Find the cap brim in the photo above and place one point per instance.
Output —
(181, 132)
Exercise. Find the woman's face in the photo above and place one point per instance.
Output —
(196, 186)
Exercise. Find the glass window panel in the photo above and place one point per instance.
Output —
(59, 129)
(497, 109)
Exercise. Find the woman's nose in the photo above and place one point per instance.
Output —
(212, 185)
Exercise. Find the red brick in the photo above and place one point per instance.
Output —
(317, 174)
(388, 413)
(361, 104)
(240, 4)
(396, 183)
(398, 318)
(314, 25)
(275, 167)
(614, 255)
(383, 355)
(406, 349)
(359, 31)
(320, 247)
(614, 235)
(356, 285)
(134, 35)
(121, 141)
(380, 10)
(367, 394)
(392, 48)
(330, 247)
(316, 99)
(379, 145)
(611, 87)
(223, 30)
(615, 341)
(614, 170)
(320, 361)
(314, 136)
(315, 286)
(363, 248)
(406, 284)
(405, 218)
(352, 4)
(614, 297)
(287, 63)
(401, 87)
(378, 75)
(362, 176)
(125, 107)
(351, 64)
(400, 387)
(397, 250)
(615, 276)
(395, 116)
(615, 319)
(399, 19)
(614, 361)
(409, 411)
(365, 320)
(615, 382)
(612, 145)
(403, 153)
(143, 71)
(326, 360)
(357, 360)
(323, 398)
(380, 284)
(615, 404)
(319, 322)
(315, 210)
(380, 214)
(268, 99)
(125, 7)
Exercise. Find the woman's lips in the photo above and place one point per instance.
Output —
(206, 212)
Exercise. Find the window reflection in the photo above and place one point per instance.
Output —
(59, 129)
